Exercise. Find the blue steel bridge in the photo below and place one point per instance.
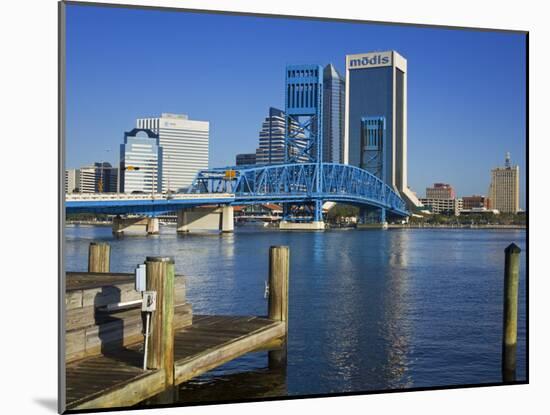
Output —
(293, 183)
(297, 183)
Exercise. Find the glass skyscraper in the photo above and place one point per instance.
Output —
(140, 162)
(333, 115)
(272, 148)
(376, 88)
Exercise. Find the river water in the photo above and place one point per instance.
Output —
(368, 310)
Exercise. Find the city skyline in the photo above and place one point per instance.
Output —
(466, 99)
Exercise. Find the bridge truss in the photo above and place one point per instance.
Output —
(300, 183)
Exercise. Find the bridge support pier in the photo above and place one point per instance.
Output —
(228, 222)
(135, 226)
(291, 223)
(205, 219)
(302, 226)
(372, 218)
(152, 226)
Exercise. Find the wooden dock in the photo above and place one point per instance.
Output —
(182, 346)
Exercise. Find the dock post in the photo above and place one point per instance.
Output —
(160, 278)
(510, 320)
(99, 255)
(279, 261)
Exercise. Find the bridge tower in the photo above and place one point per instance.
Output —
(371, 158)
(304, 126)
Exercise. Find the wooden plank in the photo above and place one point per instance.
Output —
(218, 330)
(275, 344)
(192, 366)
(109, 294)
(122, 394)
(180, 291)
(123, 328)
(75, 344)
(73, 299)
(85, 280)
(114, 334)
(79, 317)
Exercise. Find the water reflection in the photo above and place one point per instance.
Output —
(223, 387)
(369, 310)
(395, 327)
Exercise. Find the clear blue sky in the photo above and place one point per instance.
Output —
(466, 89)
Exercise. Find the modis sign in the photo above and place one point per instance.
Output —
(369, 60)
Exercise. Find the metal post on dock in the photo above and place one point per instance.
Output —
(279, 261)
(99, 255)
(510, 320)
(160, 272)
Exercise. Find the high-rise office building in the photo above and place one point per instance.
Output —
(82, 180)
(245, 159)
(376, 90)
(106, 178)
(140, 162)
(88, 180)
(99, 178)
(504, 188)
(333, 115)
(184, 145)
(272, 146)
(440, 191)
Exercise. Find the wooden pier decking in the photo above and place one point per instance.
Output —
(117, 379)
(104, 353)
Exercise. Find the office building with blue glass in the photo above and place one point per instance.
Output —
(141, 162)
(375, 135)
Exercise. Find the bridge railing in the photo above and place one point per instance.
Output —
(75, 197)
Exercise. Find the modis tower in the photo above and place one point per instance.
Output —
(375, 136)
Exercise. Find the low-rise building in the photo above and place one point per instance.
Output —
(440, 191)
(475, 201)
(444, 206)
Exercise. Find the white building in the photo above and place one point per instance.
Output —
(87, 180)
(184, 144)
(443, 205)
(72, 180)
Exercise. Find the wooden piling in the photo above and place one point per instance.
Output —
(99, 255)
(279, 262)
(160, 278)
(510, 320)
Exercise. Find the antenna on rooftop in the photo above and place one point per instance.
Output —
(507, 163)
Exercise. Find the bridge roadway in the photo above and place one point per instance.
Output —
(141, 204)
